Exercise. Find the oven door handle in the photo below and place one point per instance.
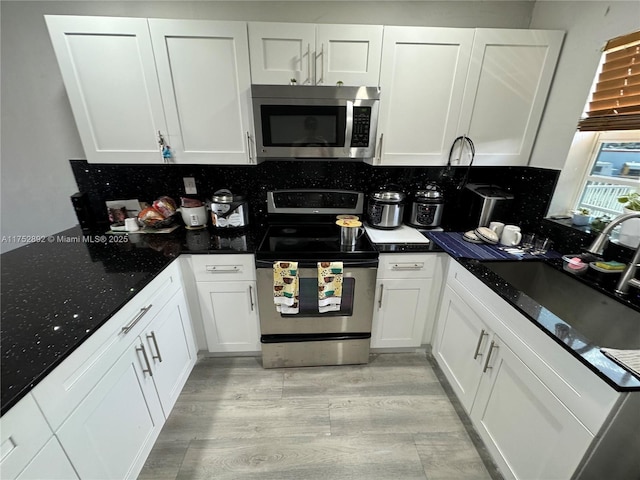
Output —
(368, 263)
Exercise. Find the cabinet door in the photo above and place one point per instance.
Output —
(281, 52)
(109, 72)
(349, 54)
(422, 80)
(509, 78)
(203, 69)
(461, 342)
(50, 463)
(401, 312)
(529, 432)
(171, 348)
(230, 316)
(110, 434)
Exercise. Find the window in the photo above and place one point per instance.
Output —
(614, 171)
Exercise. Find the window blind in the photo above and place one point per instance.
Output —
(615, 102)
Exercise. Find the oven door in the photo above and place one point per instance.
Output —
(354, 316)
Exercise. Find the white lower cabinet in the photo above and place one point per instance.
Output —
(523, 423)
(113, 430)
(50, 463)
(28, 449)
(226, 286)
(536, 408)
(406, 294)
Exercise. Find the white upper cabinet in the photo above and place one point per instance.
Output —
(109, 72)
(315, 54)
(130, 80)
(203, 69)
(509, 78)
(422, 81)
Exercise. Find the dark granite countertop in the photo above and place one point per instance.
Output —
(569, 338)
(57, 292)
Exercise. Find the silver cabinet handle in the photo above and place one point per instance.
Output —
(309, 63)
(379, 161)
(321, 79)
(152, 336)
(249, 148)
(486, 364)
(146, 360)
(407, 266)
(133, 322)
(251, 296)
(477, 353)
(380, 299)
(222, 268)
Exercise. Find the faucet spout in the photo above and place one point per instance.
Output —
(597, 247)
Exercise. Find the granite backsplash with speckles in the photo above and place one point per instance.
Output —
(532, 187)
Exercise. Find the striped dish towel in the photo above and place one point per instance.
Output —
(286, 287)
(329, 286)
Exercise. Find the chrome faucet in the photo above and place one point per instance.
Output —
(628, 278)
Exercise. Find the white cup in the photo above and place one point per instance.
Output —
(131, 224)
(497, 227)
(511, 235)
(194, 216)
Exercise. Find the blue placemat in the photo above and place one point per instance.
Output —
(456, 246)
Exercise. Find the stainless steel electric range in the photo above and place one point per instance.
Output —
(302, 229)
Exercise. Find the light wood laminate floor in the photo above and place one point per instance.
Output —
(389, 419)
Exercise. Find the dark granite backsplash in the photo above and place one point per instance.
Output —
(532, 187)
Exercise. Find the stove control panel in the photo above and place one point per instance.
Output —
(315, 201)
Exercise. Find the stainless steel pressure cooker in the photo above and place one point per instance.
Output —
(385, 209)
(229, 210)
(426, 207)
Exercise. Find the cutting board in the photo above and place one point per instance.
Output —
(402, 234)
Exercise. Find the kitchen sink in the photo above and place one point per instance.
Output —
(601, 319)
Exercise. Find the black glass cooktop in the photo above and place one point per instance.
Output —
(311, 242)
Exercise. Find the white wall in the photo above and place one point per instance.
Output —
(589, 24)
(38, 132)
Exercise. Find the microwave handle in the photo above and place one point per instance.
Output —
(349, 125)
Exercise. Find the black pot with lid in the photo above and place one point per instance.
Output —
(229, 210)
(426, 207)
(386, 208)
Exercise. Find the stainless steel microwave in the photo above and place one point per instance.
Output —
(299, 121)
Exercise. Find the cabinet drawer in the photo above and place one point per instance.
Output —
(407, 266)
(223, 268)
(64, 388)
(24, 433)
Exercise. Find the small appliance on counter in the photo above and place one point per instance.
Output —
(426, 207)
(484, 204)
(228, 210)
(386, 209)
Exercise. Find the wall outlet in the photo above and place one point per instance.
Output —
(190, 186)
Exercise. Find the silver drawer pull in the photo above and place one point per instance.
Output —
(146, 360)
(143, 312)
(222, 268)
(152, 336)
(482, 335)
(407, 266)
(486, 364)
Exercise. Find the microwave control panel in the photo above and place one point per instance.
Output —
(361, 127)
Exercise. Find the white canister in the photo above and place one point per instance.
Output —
(511, 235)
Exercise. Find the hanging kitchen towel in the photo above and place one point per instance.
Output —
(329, 286)
(285, 287)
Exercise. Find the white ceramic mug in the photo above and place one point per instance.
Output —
(497, 227)
(131, 224)
(511, 235)
(194, 216)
